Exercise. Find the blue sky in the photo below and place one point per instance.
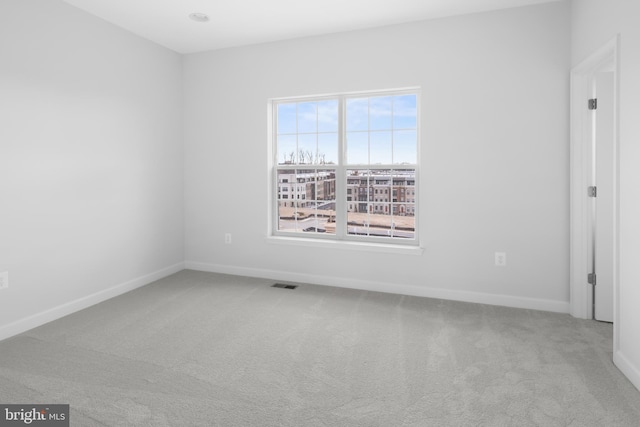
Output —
(379, 130)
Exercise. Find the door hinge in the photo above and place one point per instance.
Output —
(592, 191)
(593, 104)
(591, 279)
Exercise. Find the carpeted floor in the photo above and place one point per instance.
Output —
(202, 349)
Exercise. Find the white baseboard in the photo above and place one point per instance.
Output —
(33, 321)
(366, 285)
(627, 368)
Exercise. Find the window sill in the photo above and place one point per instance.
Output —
(345, 245)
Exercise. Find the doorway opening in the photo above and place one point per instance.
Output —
(594, 186)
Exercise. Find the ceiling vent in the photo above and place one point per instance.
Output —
(283, 286)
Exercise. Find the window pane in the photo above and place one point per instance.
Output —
(404, 177)
(326, 200)
(404, 112)
(328, 148)
(360, 193)
(380, 224)
(306, 181)
(329, 221)
(380, 203)
(287, 118)
(403, 191)
(305, 217)
(410, 209)
(358, 182)
(286, 185)
(404, 223)
(357, 222)
(287, 149)
(357, 114)
(287, 213)
(307, 117)
(307, 149)
(310, 220)
(405, 147)
(326, 188)
(357, 148)
(307, 220)
(380, 148)
(380, 113)
(328, 116)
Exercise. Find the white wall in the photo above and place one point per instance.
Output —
(494, 154)
(595, 22)
(91, 161)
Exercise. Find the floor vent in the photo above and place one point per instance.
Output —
(283, 286)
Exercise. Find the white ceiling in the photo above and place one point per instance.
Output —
(244, 22)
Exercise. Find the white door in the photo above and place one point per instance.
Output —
(604, 182)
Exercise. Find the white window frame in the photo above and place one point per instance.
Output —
(341, 238)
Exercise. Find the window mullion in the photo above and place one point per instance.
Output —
(275, 186)
(341, 175)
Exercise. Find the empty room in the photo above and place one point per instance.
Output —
(336, 213)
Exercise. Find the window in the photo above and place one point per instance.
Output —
(333, 153)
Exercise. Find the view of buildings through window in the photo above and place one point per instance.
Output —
(346, 166)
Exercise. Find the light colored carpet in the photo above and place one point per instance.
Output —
(202, 349)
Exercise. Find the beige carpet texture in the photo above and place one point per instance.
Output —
(204, 349)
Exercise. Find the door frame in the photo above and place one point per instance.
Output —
(580, 301)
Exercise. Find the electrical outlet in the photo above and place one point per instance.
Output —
(4, 280)
(227, 238)
(501, 259)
